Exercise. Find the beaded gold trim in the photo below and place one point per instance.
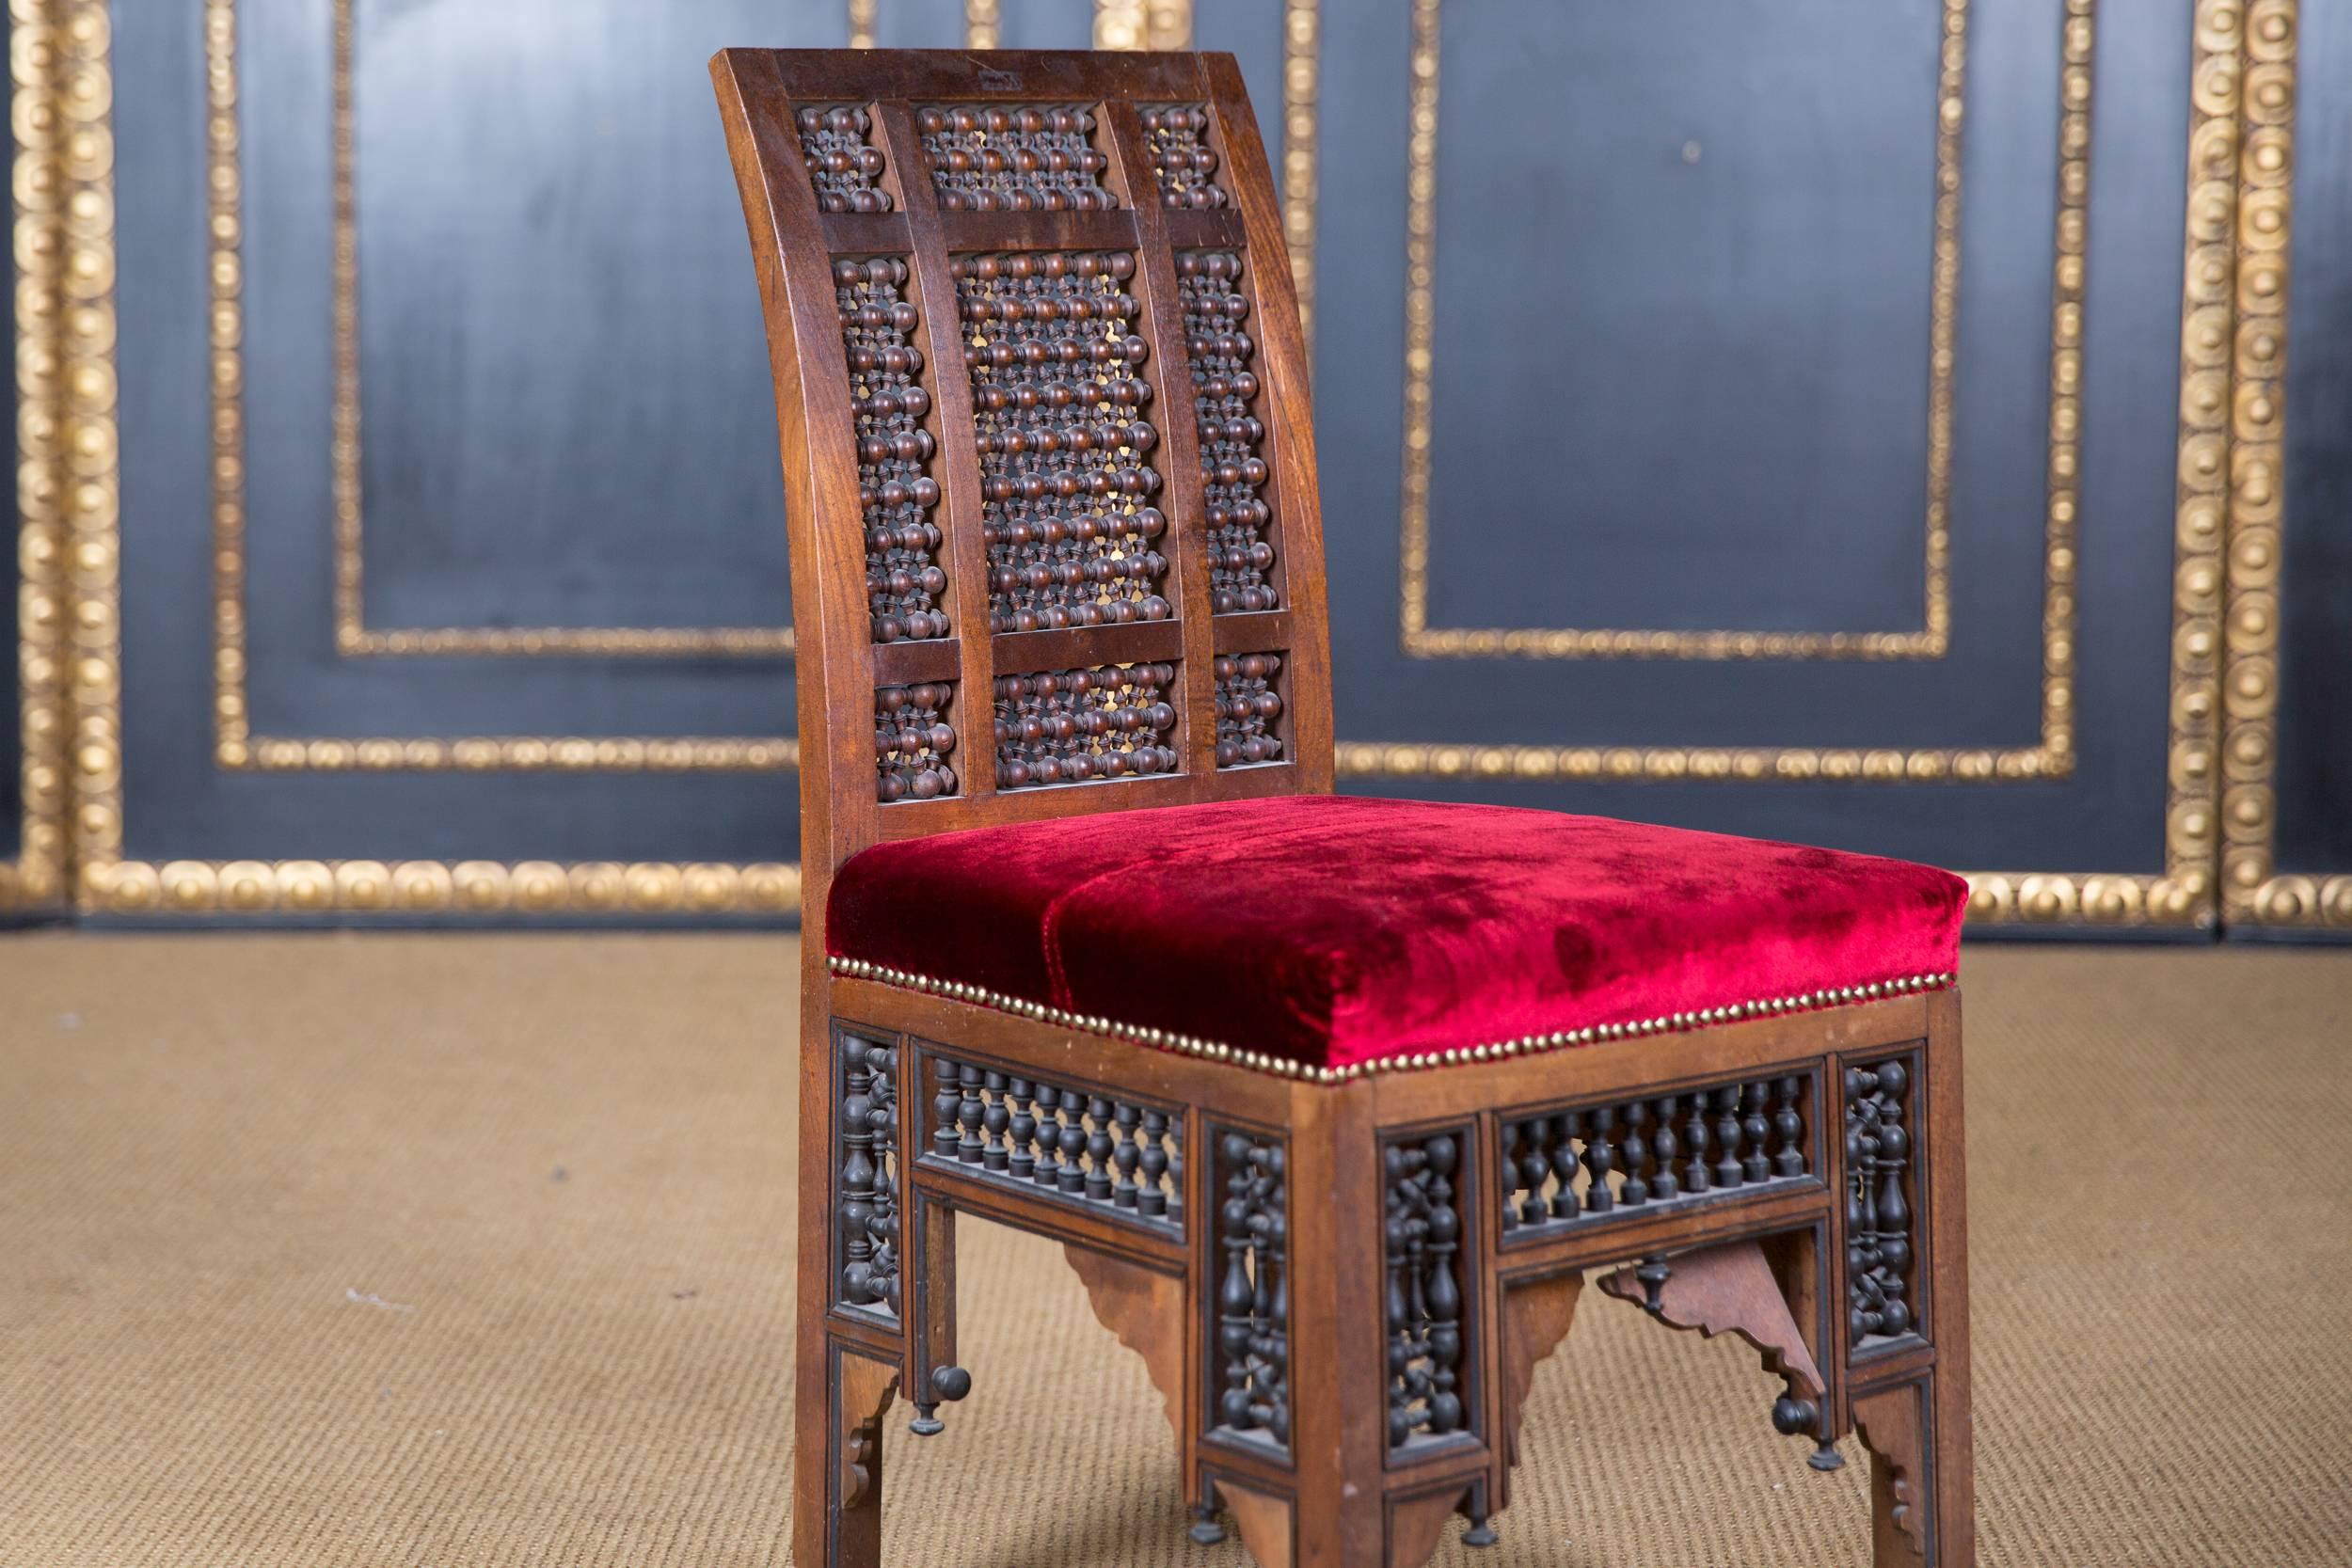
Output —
(1525, 1045)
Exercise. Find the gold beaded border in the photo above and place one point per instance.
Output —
(235, 747)
(2247, 74)
(61, 47)
(58, 105)
(1302, 113)
(353, 636)
(1143, 23)
(1931, 640)
(2182, 894)
(983, 23)
(1168, 25)
(2053, 755)
(1258, 1061)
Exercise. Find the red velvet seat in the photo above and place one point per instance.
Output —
(1330, 932)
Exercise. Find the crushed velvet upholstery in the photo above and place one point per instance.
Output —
(1334, 932)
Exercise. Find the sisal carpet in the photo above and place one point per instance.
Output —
(444, 1250)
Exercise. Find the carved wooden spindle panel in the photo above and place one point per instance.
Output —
(1233, 471)
(906, 585)
(1249, 708)
(1250, 1395)
(1076, 726)
(1057, 412)
(1183, 164)
(912, 742)
(866, 1245)
(1058, 1140)
(1882, 1250)
(1429, 1359)
(1014, 157)
(1595, 1161)
(844, 167)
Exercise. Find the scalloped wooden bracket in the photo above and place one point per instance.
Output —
(1416, 1526)
(1730, 1290)
(1266, 1523)
(1890, 1424)
(1536, 1316)
(863, 1391)
(1145, 1309)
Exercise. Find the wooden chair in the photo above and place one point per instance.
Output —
(1336, 1104)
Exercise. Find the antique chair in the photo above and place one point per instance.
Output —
(1092, 949)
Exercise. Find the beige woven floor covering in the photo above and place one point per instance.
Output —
(447, 1250)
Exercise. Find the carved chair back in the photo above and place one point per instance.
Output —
(1049, 469)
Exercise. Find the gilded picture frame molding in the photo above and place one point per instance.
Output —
(59, 107)
(235, 747)
(2245, 206)
(108, 882)
(1931, 638)
(79, 79)
(2052, 754)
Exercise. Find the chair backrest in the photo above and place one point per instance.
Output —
(1048, 457)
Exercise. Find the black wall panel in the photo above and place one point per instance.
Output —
(1794, 420)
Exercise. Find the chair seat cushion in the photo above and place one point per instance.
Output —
(1326, 934)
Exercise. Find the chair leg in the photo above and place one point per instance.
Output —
(837, 1478)
(1916, 1424)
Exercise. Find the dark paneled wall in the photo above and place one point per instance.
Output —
(1794, 420)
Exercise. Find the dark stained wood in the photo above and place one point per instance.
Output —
(1259, 1292)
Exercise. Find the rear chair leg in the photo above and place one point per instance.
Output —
(933, 1375)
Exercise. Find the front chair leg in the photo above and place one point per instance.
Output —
(1907, 1185)
(837, 1502)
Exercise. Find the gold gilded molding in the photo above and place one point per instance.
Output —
(84, 474)
(353, 636)
(87, 491)
(983, 23)
(1302, 65)
(2246, 95)
(1931, 640)
(2051, 756)
(64, 252)
(2182, 895)
(235, 747)
(1143, 23)
(440, 887)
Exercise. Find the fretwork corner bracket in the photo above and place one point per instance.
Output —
(1733, 1288)
(1890, 1425)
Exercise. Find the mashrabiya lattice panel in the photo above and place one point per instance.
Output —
(1058, 409)
(906, 587)
(1248, 706)
(1590, 1163)
(1882, 1246)
(843, 167)
(1233, 471)
(912, 742)
(1429, 1365)
(1251, 1322)
(1080, 726)
(1073, 1144)
(1183, 164)
(865, 1233)
(1014, 157)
